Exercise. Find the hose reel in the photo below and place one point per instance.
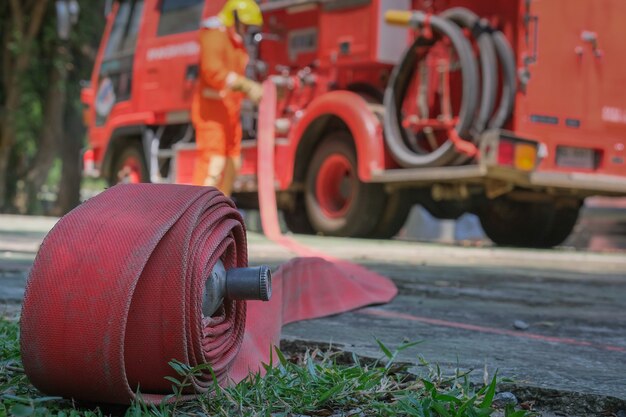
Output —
(444, 125)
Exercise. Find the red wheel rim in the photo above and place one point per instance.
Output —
(130, 172)
(334, 187)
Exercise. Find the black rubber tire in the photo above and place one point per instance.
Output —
(366, 204)
(526, 224)
(130, 150)
(506, 57)
(518, 224)
(395, 135)
(562, 225)
(297, 220)
(481, 32)
(396, 211)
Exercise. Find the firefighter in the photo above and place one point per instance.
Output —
(222, 86)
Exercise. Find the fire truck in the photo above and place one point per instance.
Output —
(512, 110)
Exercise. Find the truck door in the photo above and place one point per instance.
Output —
(115, 75)
(169, 59)
(553, 104)
(552, 75)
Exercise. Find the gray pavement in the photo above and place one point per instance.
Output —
(461, 302)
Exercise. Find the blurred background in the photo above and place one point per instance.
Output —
(48, 52)
(44, 62)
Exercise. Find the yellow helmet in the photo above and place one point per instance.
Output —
(248, 13)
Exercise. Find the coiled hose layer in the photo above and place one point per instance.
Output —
(116, 290)
(399, 80)
(479, 89)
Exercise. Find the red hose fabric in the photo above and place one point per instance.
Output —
(116, 290)
(315, 285)
(115, 293)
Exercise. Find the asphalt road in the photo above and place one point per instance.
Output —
(461, 302)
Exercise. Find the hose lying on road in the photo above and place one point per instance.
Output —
(116, 292)
(399, 81)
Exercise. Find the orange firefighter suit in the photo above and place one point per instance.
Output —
(215, 107)
(217, 98)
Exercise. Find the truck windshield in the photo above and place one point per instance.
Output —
(178, 16)
(116, 70)
(125, 29)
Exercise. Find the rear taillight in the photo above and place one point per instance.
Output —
(525, 156)
(520, 155)
(506, 153)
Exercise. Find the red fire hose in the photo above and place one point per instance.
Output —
(117, 288)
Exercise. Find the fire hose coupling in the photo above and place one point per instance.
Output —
(254, 283)
(404, 18)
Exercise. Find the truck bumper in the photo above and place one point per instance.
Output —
(576, 183)
(588, 183)
(489, 173)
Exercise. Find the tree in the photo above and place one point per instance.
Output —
(21, 23)
(40, 109)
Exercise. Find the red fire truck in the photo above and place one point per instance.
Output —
(512, 110)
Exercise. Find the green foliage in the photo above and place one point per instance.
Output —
(317, 383)
(9, 340)
(35, 83)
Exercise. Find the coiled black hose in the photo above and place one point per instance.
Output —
(396, 136)
(509, 80)
(480, 30)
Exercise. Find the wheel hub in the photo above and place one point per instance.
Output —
(334, 186)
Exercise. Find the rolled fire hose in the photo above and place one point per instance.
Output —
(145, 273)
(400, 78)
(488, 65)
(509, 80)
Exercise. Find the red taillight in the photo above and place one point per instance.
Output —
(506, 153)
(520, 155)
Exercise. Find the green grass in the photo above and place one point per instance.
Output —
(317, 383)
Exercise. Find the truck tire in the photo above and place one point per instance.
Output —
(526, 224)
(297, 220)
(129, 166)
(337, 202)
(563, 223)
(513, 223)
(396, 211)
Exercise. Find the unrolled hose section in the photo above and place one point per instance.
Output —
(396, 136)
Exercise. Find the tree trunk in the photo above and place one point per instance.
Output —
(72, 142)
(23, 25)
(7, 136)
(54, 109)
